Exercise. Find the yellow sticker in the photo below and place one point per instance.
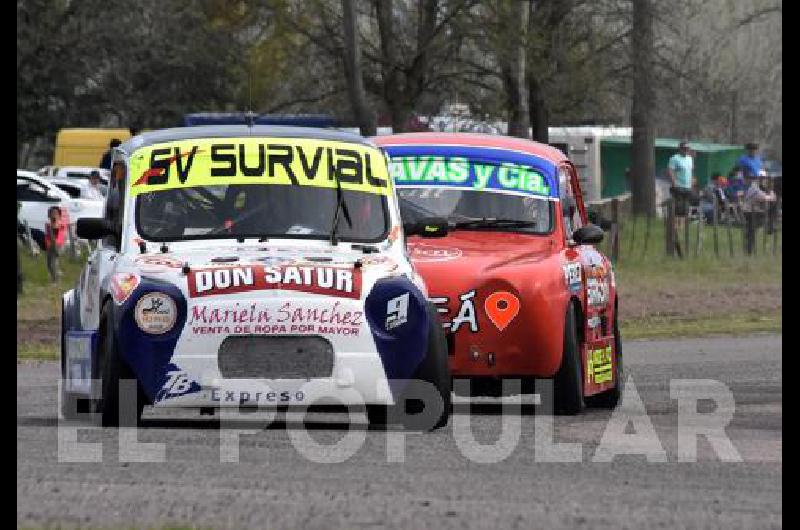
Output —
(598, 365)
(287, 161)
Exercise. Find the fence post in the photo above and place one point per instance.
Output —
(714, 219)
(669, 228)
(615, 230)
(699, 241)
(775, 228)
(633, 231)
(728, 226)
(686, 237)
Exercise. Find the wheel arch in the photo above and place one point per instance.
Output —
(580, 318)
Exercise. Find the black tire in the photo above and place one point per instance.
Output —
(568, 381)
(112, 369)
(433, 369)
(610, 398)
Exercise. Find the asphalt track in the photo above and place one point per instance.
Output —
(436, 486)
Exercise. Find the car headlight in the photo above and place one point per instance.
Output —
(156, 313)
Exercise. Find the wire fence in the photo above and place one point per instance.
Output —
(707, 232)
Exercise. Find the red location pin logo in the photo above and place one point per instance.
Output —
(501, 307)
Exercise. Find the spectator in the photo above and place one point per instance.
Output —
(715, 191)
(680, 170)
(94, 191)
(55, 233)
(105, 162)
(736, 186)
(753, 206)
(750, 163)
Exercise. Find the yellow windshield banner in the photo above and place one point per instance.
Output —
(288, 161)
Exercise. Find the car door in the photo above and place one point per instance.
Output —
(597, 294)
(102, 261)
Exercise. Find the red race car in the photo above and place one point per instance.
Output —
(497, 228)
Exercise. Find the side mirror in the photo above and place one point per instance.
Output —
(93, 228)
(428, 227)
(589, 234)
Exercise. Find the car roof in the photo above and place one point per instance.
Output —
(27, 174)
(474, 140)
(30, 175)
(44, 182)
(239, 131)
(80, 169)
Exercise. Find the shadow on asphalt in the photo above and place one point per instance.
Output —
(279, 422)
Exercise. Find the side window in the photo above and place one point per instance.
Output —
(569, 205)
(115, 203)
(29, 193)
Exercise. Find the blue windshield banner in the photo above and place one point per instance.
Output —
(472, 168)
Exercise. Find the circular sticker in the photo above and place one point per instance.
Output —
(156, 313)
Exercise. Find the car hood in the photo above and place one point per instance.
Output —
(478, 253)
(264, 271)
(483, 261)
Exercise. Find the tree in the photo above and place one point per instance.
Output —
(643, 170)
(513, 15)
(364, 116)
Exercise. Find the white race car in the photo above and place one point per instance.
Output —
(251, 267)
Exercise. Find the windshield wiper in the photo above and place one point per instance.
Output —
(341, 206)
(493, 222)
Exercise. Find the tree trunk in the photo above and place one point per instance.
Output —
(516, 82)
(364, 116)
(643, 162)
(538, 112)
(390, 68)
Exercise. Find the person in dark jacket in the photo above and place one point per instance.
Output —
(105, 162)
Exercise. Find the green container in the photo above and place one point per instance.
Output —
(615, 158)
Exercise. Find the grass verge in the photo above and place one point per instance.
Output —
(37, 351)
(675, 327)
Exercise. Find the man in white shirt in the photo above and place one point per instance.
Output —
(94, 192)
(680, 170)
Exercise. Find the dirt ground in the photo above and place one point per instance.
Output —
(38, 332)
(690, 301)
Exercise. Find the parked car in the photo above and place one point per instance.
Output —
(36, 195)
(80, 189)
(498, 229)
(79, 173)
(256, 266)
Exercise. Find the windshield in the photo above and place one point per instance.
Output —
(262, 211)
(260, 188)
(474, 195)
(477, 209)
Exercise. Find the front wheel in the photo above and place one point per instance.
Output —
(568, 381)
(112, 369)
(433, 370)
